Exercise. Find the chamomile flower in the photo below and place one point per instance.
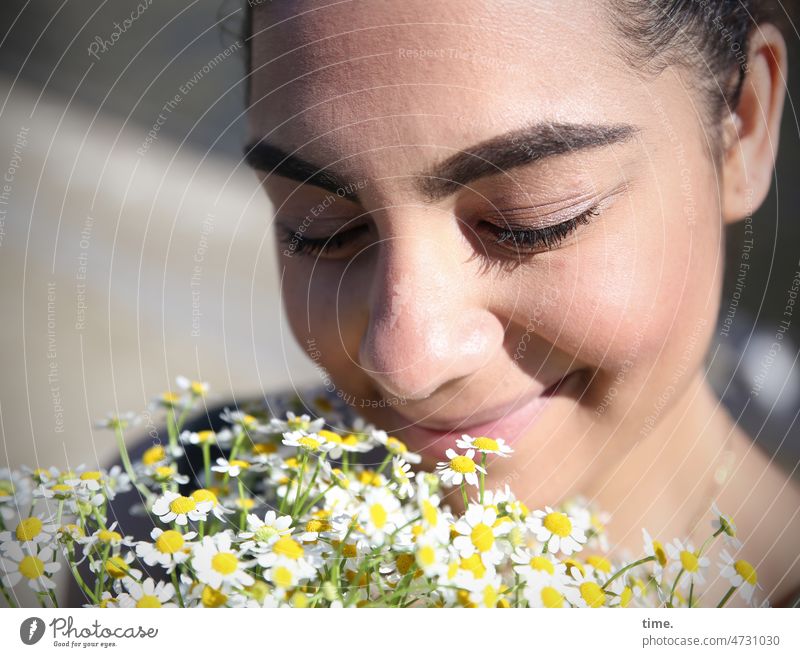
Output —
(396, 447)
(148, 594)
(741, 575)
(36, 568)
(478, 533)
(528, 564)
(557, 531)
(261, 534)
(430, 557)
(174, 507)
(724, 524)
(380, 515)
(206, 495)
(589, 591)
(484, 445)
(653, 548)
(292, 422)
(685, 559)
(545, 590)
(194, 388)
(308, 442)
(402, 476)
(168, 549)
(232, 468)
(459, 468)
(118, 421)
(30, 532)
(217, 563)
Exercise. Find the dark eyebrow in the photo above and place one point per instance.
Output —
(493, 156)
(517, 148)
(263, 156)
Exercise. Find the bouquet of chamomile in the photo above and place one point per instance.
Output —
(291, 511)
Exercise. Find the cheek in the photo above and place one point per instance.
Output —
(639, 289)
(321, 303)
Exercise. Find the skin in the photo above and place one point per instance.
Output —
(415, 308)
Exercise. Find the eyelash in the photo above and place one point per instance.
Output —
(510, 238)
(547, 237)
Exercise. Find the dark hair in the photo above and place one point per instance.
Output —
(710, 37)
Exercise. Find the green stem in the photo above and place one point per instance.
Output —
(464, 496)
(675, 585)
(126, 463)
(727, 597)
(243, 512)
(384, 463)
(207, 463)
(176, 584)
(300, 475)
(310, 486)
(626, 568)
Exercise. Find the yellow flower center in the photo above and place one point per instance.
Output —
(487, 444)
(169, 542)
(282, 577)
(474, 565)
(154, 455)
(429, 513)
(288, 547)
(625, 597)
(558, 524)
(204, 495)
(599, 563)
(264, 448)
(330, 436)
(62, 488)
(108, 536)
(462, 464)
(482, 537)
(92, 475)
(543, 564)
(213, 597)
(29, 529)
(31, 567)
(72, 530)
(238, 462)
(350, 550)
(224, 563)
(314, 526)
(592, 594)
(660, 554)
(396, 445)
(490, 596)
(747, 572)
(182, 505)
(426, 555)
(116, 567)
(265, 533)
(689, 561)
(170, 397)
(197, 388)
(204, 436)
(165, 471)
(404, 562)
(309, 443)
(551, 598)
(378, 515)
(148, 601)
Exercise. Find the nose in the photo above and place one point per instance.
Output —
(427, 325)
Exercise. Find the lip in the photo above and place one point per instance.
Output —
(509, 424)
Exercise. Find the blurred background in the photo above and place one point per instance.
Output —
(135, 246)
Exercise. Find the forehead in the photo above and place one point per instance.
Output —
(352, 77)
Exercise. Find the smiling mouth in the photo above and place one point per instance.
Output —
(509, 423)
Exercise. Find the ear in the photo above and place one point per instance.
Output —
(751, 146)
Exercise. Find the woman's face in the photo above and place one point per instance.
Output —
(512, 232)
